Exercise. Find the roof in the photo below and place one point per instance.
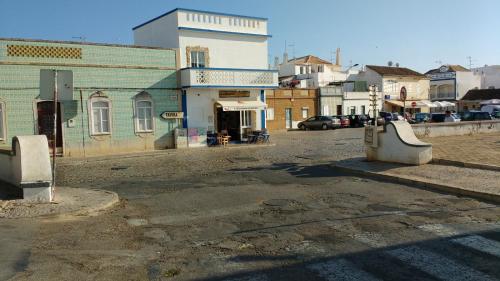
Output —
(395, 71)
(482, 94)
(451, 68)
(83, 43)
(196, 11)
(309, 59)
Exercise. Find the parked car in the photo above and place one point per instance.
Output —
(318, 122)
(386, 115)
(360, 120)
(490, 108)
(475, 116)
(496, 114)
(344, 121)
(421, 118)
(452, 117)
(437, 117)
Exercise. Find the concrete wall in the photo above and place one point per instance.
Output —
(296, 99)
(466, 81)
(489, 76)
(118, 72)
(456, 129)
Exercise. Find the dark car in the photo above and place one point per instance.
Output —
(318, 122)
(358, 120)
(495, 114)
(437, 117)
(475, 116)
(421, 117)
(344, 120)
(386, 115)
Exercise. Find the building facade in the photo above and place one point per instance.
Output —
(347, 98)
(472, 100)
(110, 97)
(287, 107)
(489, 76)
(451, 82)
(390, 80)
(310, 72)
(224, 67)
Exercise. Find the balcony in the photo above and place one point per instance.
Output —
(228, 78)
(445, 96)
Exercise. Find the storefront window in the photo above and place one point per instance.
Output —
(246, 118)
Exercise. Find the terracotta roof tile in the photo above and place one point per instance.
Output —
(482, 94)
(395, 71)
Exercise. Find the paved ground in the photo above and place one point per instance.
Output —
(482, 148)
(269, 213)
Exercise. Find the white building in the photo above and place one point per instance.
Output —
(451, 82)
(311, 72)
(390, 80)
(347, 98)
(489, 76)
(224, 67)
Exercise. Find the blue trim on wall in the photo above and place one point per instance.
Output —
(230, 69)
(444, 79)
(262, 112)
(184, 110)
(197, 11)
(232, 87)
(222, 32)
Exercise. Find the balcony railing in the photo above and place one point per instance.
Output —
(228, 77)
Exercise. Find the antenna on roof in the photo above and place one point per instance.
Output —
(293, 49)
(81, 38)
(469, 58)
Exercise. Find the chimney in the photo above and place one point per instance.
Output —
(337, 58)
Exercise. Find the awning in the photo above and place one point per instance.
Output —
(491, 102)
(443, 104)
(420, 103)
(241, 105)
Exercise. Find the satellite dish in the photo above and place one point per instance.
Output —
(389, 63)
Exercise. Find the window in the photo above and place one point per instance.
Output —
(2, 121)
(363, 109)
(144, 113)
(270, 114)
(246, 118)
(305, 112)
(301, 70)
(199, 18)
(353, 110)
(100, 108)
(197, 59)
(220, 20)
(187, 17)
(204, 18)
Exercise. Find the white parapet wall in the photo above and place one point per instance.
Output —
(397, 144)
(456, 128)
(28, 167)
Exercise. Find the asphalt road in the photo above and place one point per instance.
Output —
(266, 213)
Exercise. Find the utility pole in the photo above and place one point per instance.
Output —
(469, 58)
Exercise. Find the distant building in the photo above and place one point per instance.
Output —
(451, 82)
(489, 75)
(390, 81)
(472, 100)
(347, 98)
(224, 68)
(287, 107)
(310, 72)
(111, 97)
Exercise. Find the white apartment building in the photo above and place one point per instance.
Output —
(389, 80)
(311, 72)
(451, 82)
(224, 67)
(489, 76)
(347, 98)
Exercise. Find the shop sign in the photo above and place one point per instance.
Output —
(234, 94)
(172, 115)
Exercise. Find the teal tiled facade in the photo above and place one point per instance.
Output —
(116, 72)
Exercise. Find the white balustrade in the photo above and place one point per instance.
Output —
(192, 77)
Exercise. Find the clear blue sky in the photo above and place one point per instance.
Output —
(414, 33)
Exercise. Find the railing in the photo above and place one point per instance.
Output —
(227, 77)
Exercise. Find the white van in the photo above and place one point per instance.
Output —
(490, 108)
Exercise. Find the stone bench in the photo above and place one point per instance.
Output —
(27, 166)
(398, 144)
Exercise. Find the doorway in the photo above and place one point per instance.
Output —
(45, 114)
(288, 118)
(229, 121)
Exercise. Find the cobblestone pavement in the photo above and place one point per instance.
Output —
(480, 148)
(264, 213)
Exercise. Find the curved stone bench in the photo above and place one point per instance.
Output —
(398, 144)
(28, 167)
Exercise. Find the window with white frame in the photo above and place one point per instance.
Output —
(305, 112)
(2, 121)
(100, 108)
(144, 122)
(270, 113)
(198, 59)
(246, 118)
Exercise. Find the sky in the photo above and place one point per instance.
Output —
(417, 34)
